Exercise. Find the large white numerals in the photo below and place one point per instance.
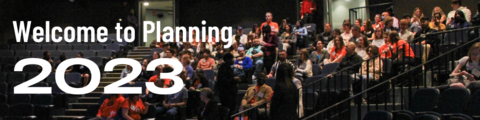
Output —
(178, 83)
(94, 71)
(114, 87)
(24, 87)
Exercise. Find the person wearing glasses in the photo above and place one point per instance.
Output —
(436, 22)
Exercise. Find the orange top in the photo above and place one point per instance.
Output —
(408, 52)
(384, 47)
(334, 54)
(134, 109)
(109, 107)
(273, 25)
(154, 79)
(206, 64)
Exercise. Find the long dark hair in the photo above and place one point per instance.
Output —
(266, 30)
(460, 19)
(285, 75)
(200, 74)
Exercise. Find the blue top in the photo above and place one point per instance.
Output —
(256, 48)
(454, 25)
(246, 62)
(190, 71)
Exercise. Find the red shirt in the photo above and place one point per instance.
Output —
(408, 52)
(273, 25)
(384, 47)
(154, 79)
(306, 5)
(334, 54)
(134, 108)
(107, 110)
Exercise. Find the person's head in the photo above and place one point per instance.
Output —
(368, 25)
(424, 22)
(256, 42)
(63, 57)
(393, 37)
(282, 55)
(129, 67)
(437, 9)
(241, 51)
(386, 14)
(339, 44)
(134, 97)
(145, 62)
(407, 16)
(199, 73)
(285, 75)
(388, 21)
(185, 58)
(255, 27)
(319, 45)
(304, 54)
(266, 29)
(372, 51)
(288, 29)
(299, 24)
(187, 45)
(80, 55)
(206, 94)
(46, 54)
(404, 24)
(228, 59)
(358, 22)
(378, 18)
(250, 38)
(284, 22)
(378, 33)
(206, 54)
(336, 32)
(417, 12)
(351, 47)
(169, 53)
(239, 30)
(261, 77)
(474, 53)
(437, 17)
(460, 17)
(155, 55)
(159, 70)
(268, 17)
(385, 37)
(455, 4)
(363, 41)
(356, 31)
(328, 28)
(347, 26)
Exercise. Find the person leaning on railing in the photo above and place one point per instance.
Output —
(257, 95)
(468, 68)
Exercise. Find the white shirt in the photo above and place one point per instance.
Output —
(465, 10)
(243, 39)
(395, 22)
(378, 42)
(346, 36)
(406, 35)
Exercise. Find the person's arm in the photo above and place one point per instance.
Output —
(443, 18)
(99, 113)
(244, 101)
(468, 15)
(457, 72)
(259, 54)
(248, 64)
(147, 105)
(303, 32)
(125, 114)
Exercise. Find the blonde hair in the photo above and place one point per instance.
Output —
(440, 9)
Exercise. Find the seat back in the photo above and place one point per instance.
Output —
(22, 53)
(19, 99)
(16, 47)
(73, 78)
(473, 108)
(387, 66)
(42, 99)
(309, 100)
(4, 109)
(378, 115)
(33, 47)
(329, 68)
(89, 53)
(338, 82)
(452, 100)
(424, 100)
(38, 54)
(8, 60)
(56, 53)
(427, 117)
(3, 89)
(71, 53)
(16, 77)
(210, 74)
(80, 47)
(21, 110)
(6, 53)
(30, 68)
(49, 47)
(3, 99)
(460, 117)
(316, 69)
(97, 47)
(104, 53)
(64, 47)
(113, 46)
(270, 82)
(316, 85)
(403, 115)
(97, 60)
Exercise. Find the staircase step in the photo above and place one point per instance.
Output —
(136, 56)
(89, 99)
(94, 94)
(75, 111)
(80, 105)
(142, 48)
(119, 67)
(109, 79)
(139, 53)
(113, 74)
(102, 84)
(99, 89)
(65, 117)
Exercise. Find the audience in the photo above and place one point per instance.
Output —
(368, 29)
(378, 22)
(394, 20)
(437, 9)
(458, 22)
(400, 48)
(470, 62)
(319, 55)
(286, 38)
(270, 43)
(209, 109)
(338, 51)
(330, 44)
(356, 34)
(242, 64)
(417, 16)
(457, 6)
(83, 70)
(200, 82)
(243, 37)
(389, 25)
(371, 69)
(351, 58)
(327, 35)
(307, 9)
(362, 47)
(358, 22)
(377, 38)
(304, 65)
(174, 105)
(285, 100)
(268, 21)
(301, 35)
(133, 106)
(258, 94)
(206, 63)
(156, 78)
(185, 59)
(144, 74)
(156, 55)
(404, 33)
(226, 85)
(109, 107)
(436, 22)
(347, 31)
(47, 57)
(256, 54)
(282, 59)
(126, 71)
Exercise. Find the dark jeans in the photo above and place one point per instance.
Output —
(228, 100)
(175, 113)
(398, 65)
(268, 61)
(307, 18)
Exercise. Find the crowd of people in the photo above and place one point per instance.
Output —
(255, 55)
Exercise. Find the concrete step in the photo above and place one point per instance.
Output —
(94, 94)
(113, 74)
(99, 89)
(119, 67)
(109, 79)
(137, 56)
(142, 48)
(75, 112)
(102, 84)
(80, 105)
(89, 99)
(66, 117)
(139, 53)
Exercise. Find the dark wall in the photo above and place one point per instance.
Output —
(65, 13)
(234, 12)
(406, 6)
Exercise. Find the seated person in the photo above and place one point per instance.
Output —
(209, 109)
(242, 63)
(350, 59)
(258, 94)
(206, 63)
(371, 69)
(126, 71)
(200, 82)
(109, 108)
(156, 77)
(174, 105)
(83, 70)
(338, 51)
(144, 75)
(319, 54)
(133, 106)
(255, 52)
(467, 68)
(304, 66)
